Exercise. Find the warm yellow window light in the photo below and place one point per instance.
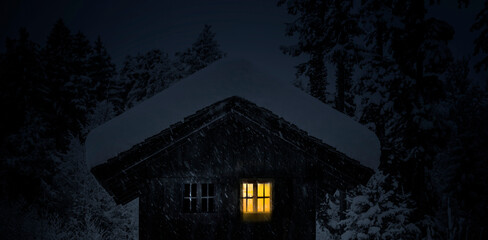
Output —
(264, 197)
(254, 205)
(247, 197)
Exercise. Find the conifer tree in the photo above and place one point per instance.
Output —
(81, 87)
(343, 27)
(379, 73)
(204, 50)
(23, 128)
(68, 99)
(326, 30)
(101, 70)
(58, 61)
(481, 42)
(460, 169)
(379, 210)
(145, 75)
(20, 78)
(312, 40)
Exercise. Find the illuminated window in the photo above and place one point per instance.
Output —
(190, 198)
(264, 197)
(247, 197)
(256, 200)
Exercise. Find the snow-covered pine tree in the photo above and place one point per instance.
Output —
(145, 75)
(92, 213)
(325, 30)
(407, 78)
(342, 29)
(311, 31)
(420, 49)
(379, 72)
(204, 51)
(46, 191)
(66, 99)
(379, 210)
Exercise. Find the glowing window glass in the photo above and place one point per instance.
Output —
(256, 203)
(264, 197)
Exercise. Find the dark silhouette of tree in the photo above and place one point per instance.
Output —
(312, 40)
(21, 75)
(145, 75)
(481, 42)
(58, 58)
(204, 50)
(101, 70)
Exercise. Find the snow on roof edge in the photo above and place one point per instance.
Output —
(223, 79)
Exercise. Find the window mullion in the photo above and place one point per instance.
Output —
(255, 197)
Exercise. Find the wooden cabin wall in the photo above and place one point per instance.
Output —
(224, 154)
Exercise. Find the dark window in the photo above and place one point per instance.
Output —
(190, 198)
(208, 197)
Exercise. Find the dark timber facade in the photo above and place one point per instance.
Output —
(188, 177)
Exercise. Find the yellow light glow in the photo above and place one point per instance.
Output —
(244, 190)
(260, 190)
(260, 203)
(250, 189)
(267, 205)
(267, 190)
(250, 205)
(248, 197)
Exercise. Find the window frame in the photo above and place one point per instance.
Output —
(208, 197)
(198, 199)
(190, 198)
(256, 216)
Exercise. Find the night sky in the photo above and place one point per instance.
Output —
(253, 29)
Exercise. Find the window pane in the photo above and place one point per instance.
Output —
(211, 205)
(250, 189)
(187, 190)
(186, 205)
(267, 189)
(193, 205)
(247, 205)
(211, 190)
(267, 205)
(194, 190)
(250, 205)
(204, 205)
(260, 204)
(244, 191)
(260, 190)
(204, 190)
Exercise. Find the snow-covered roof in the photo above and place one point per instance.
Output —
(223, 79)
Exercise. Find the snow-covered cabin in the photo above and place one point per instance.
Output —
(230, 153)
